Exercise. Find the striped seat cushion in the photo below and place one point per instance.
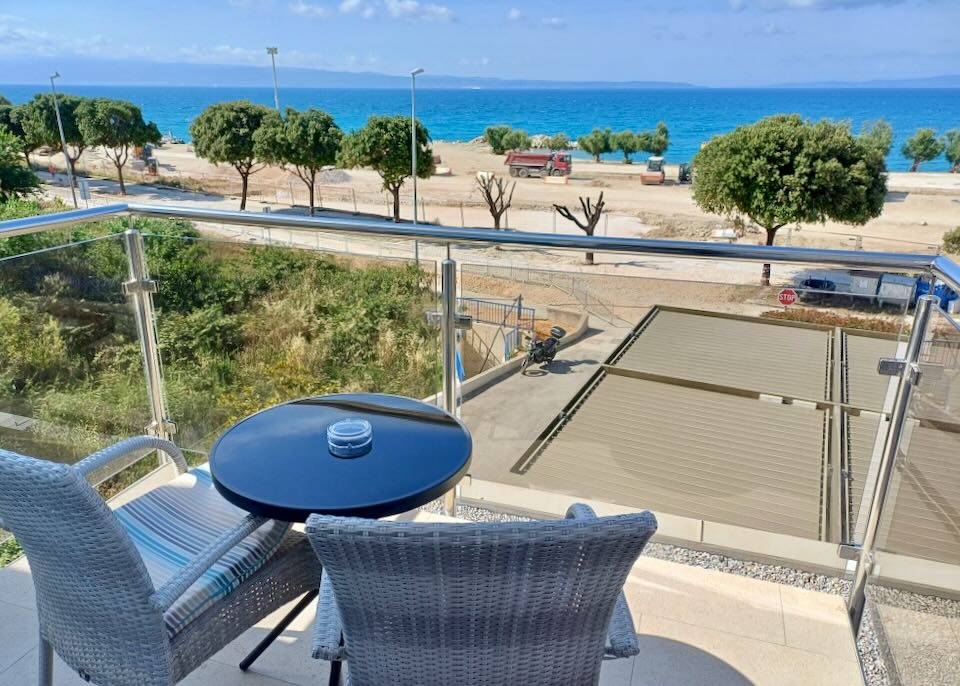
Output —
(173, 523)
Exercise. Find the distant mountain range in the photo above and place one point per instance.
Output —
(949, 81)
(96, 72)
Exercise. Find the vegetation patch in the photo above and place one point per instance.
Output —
(240, 328)
(847, 321)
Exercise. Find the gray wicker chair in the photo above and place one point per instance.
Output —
(146, 594)
(532, 603)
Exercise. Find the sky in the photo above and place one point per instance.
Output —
(704, 42)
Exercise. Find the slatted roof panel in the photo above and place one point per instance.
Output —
(861, 441)
(760, 356)
(864, 386)
(690, 452)
(922, 518)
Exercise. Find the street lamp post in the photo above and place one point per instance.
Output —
(63, 139)
(413, 135)
(413, 152)
(276, 92)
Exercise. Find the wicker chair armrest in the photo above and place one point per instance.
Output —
(101, 458)
(580, 511)
(167, 594)
(328, 629)
(621, 636)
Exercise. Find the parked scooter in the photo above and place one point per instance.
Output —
(542, 352)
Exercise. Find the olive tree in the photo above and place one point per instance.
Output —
(516, 139)
(494, 138)
(558, 141)
(15, 179)
(383, 144)
(923, 146)
(659, 140)
(306, 141)
(952, 149)
(628, 143)
(116, 126)
(10, 116)
(497, 192)
(879, 134)
(598, 142)
(224, 133)
(38, 119)
(784, 170)
(591, 217)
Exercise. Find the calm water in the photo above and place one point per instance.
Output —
(692, 115)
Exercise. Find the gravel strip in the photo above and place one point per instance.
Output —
(867, 643)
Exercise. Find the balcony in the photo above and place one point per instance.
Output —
(794, 484)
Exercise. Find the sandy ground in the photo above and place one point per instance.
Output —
(919, 209)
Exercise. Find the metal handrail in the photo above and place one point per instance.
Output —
(449, 234)
(939, 267)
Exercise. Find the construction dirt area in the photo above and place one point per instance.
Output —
(618, 289)
(920, 206)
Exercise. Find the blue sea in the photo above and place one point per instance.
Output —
(693, 116)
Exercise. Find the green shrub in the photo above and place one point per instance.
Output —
(494, 137)
(516, 139)
(951, 241)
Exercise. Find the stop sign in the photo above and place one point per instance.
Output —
(787, 296)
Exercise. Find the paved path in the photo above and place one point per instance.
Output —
(507, 417)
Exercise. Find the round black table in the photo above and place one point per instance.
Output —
(278, 464)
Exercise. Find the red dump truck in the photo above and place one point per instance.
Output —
(525, 164)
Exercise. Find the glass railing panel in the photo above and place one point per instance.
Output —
(915, 583)
(689, 389)
(246, 321)
(72, 371)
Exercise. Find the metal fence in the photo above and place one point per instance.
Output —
(513, 315)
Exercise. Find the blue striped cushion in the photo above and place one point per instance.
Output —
(173, 523)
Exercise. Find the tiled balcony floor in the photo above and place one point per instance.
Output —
(696, 627)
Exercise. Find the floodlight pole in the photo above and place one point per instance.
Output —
(413, 152)
(276, 91)
(63, 139)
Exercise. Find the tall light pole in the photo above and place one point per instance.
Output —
(413, 135)
(63, 138)
(276, 92)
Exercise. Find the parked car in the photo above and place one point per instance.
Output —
(817, 291)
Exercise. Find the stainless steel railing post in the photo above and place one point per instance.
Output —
(909, 377)
(448, 343)
(140, 289)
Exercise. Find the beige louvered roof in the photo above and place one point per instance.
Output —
(753, 354)
(693, 453)
(686, 418)
(861, 443)
(865, 386)
(922, 518)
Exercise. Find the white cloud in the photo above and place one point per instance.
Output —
(737, 5)
(514, 14)
(307, 9)
(362, 7)
(417, 10)
(554, 22)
